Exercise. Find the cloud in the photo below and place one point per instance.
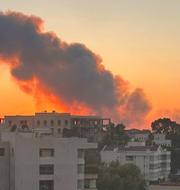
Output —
(72, 73)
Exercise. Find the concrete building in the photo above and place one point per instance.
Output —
(138, 135)
(40, 161)
(141, 137)
(153, 162)
(4, 166)
(160, 139)
(88, 126)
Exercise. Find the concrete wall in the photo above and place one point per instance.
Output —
(38, 120)
(4, 167)
(25, 161)
(158, 187)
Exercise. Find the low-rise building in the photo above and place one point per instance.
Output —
(153, 162)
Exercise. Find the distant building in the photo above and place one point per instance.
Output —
(90, 127)
(136, 143)
(138, 135)
(141, 137)
(160, 139)
(39, 160)
(153, 162)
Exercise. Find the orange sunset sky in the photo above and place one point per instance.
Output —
(137, 39)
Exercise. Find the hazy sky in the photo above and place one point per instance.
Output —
(138, 39)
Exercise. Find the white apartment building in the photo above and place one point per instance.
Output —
(40, 161)
(160, 139)
(88, 126)
(153, 162)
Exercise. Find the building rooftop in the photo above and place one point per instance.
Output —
(132, 148)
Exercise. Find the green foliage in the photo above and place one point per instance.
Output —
(115, 136)
(120, 177)
(172, 131)
(170, 128)
(165, 126)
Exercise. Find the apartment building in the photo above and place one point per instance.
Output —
(160, 139)
(87, 126)
(141, 137)
(153, 162)
(145, 135)
(41, 161)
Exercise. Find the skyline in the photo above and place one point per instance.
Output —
(142, 47)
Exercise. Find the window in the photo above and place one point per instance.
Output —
(52, 123)
(2, 151)
(46, 152)
(95, 122)
(47, 169)
(23, 122)
(59, 130)
(80, 153)
(66, 122)
(13, 128)
(46, 185)
(80, 184)
(9, 123)
(59, 122)
(151, 158)
(52, 130)
(90, 184)
(38, 122)
(129, 158)
(12, 151)
(80, 168)
(45, 122)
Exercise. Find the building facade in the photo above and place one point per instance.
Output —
(87, 126)
(160, 139)
(43, 162)
(153, 162)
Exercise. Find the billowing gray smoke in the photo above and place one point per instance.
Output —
(71, 72)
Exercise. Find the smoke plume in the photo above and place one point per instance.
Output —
(68, 75)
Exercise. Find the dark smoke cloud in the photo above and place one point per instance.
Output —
(71, 72)
(137, 107)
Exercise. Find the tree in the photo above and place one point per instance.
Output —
(116, 135)
(165, 126)
(120, 177)
(170, 128)
(120, 134)
(172, 131)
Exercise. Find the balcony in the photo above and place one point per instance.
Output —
(91, 176)
(90, 183)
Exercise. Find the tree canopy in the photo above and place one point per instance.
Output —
(120, 177)
(168, 127)
(165, 126)
(116, 135)
(172, 131)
